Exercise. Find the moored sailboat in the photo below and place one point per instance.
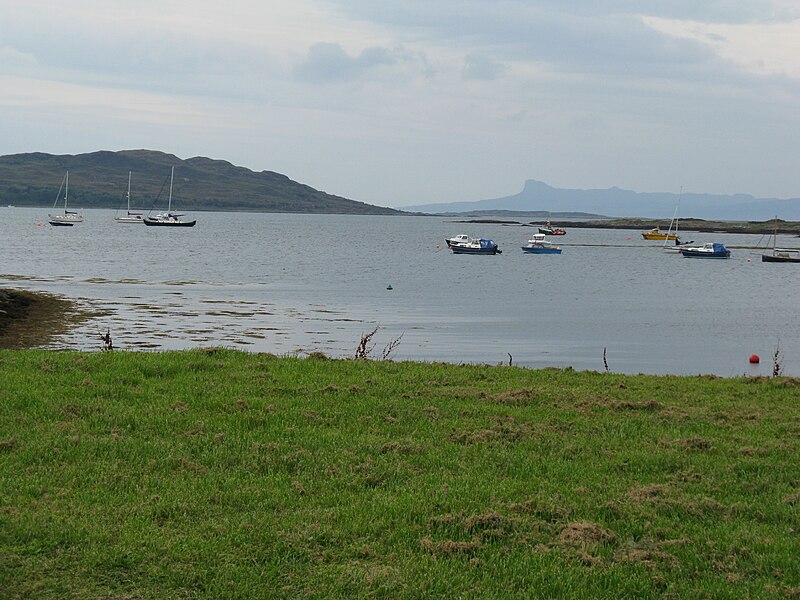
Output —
(130, 217)
(169, 218)
(781, 255)
(678, 243)
(69, 218)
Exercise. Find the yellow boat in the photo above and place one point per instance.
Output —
(656, 234)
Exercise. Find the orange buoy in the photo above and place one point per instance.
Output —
(754, 359)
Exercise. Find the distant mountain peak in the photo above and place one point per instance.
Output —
(538, 196)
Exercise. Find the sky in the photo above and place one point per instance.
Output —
(400, 103)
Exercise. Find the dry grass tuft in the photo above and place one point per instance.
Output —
(402, 448)
(647, 493)
(515, 397)
(488, 520)
(432, 412)
(543, 507)
(674, 414)
(792, 499)
(750, 451)
(589, 560)
(8, 445)
(648, 557)
(313, 416)
(649, 406)
(689, 444)
(476, 437)
(449, 547)
(504, 429)
(198, 429)
(445, 520)
(792, 592)
(582, 534)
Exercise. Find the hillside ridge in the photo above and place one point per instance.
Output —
(99, 180)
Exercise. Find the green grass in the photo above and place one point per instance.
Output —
(220, 474)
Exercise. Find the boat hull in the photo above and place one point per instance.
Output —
(541, 250)
(155, 223)
(552, 231)
(649, 235)
(61, 223)
(779, 259)
(65, 219)
(462, 250)
(698, 254)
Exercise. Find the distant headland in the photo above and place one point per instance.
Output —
(99, 180)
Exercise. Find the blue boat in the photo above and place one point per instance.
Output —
(538, 245)
(475, 246)
(708, 250)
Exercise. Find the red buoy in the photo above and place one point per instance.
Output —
(754, 359)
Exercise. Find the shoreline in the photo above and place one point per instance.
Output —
(33, 319)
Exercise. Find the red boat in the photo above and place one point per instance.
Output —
(550, 230)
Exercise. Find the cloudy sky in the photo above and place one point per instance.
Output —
(414, 101)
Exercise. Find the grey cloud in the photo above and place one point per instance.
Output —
(478, 66)
(582, 36)
(423, 13)
(146, 60)
(329, 62)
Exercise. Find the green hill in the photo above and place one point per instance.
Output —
(99, 180)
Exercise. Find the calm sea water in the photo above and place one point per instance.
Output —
(302, 283)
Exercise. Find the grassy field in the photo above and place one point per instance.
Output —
(220, 474)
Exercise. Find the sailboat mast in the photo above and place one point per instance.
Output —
(171, 175)
(775, 235)
(66, 193)
(129, 192)
(674, 219)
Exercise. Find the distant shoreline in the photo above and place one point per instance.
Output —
(699, 225)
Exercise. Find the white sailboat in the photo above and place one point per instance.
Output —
(130, 217)
(169, 218)
(69, 218)
(780, 255)
(673, 234)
